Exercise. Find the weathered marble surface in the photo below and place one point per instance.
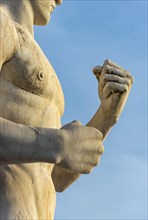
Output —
(37, 156)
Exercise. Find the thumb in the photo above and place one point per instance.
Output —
(97, 70)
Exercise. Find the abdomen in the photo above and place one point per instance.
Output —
(27, 192)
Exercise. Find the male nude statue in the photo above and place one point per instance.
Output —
(37, 156)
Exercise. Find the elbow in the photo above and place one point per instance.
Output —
(60, 189)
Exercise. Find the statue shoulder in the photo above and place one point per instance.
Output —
(8, 38)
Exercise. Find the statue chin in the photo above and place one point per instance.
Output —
(42, 20)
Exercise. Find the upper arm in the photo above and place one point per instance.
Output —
(8, 38)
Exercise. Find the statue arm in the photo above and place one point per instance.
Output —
(114, 87)
(23, 144)
(8, 39)
(63, 178)
(64, 147)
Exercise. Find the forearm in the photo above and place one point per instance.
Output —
(102, 121)
(24, 144)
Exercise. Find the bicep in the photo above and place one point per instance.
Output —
(8, 38)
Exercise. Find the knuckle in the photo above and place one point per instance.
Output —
(87, 171)
(107, 61)
(107, 67)
(129, 76)
(131, 79)
(125, 88)
(122, 89)
(76, 122)
(111, 69)
(100, 135)
(127, 82)
(108, 85)
(94, 131)
(101, 149)
(105, 77)
(96, 161)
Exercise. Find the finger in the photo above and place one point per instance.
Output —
(116, 66)
(121, 73)
(96, 157)
(96, 147)
(93, 158)
(95, 161)
(111, 63)
(88, 170)
(97, 70)
(83, 168)
(114, 78)
(113, 87)
(115, 71)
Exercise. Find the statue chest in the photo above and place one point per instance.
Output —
(31, 71)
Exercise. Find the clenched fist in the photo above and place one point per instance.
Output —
(81, 148)
(114, 87)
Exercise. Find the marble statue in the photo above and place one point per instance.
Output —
(39, 157)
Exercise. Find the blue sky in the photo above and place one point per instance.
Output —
(83, 34)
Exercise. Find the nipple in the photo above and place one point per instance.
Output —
(40, 75)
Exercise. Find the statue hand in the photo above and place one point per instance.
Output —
(114, 87)
(81, 148)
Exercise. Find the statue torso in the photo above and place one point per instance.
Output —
(30, 94)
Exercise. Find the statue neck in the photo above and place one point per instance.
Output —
(21, 13)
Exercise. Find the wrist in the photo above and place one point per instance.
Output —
(105, 121)
(107, 116)
(49, 145)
